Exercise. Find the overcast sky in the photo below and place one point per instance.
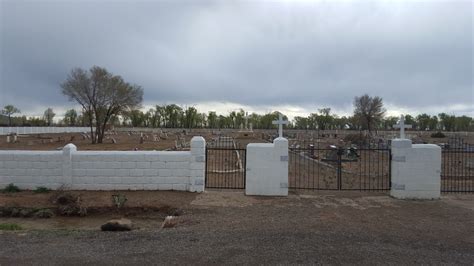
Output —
(294, 56)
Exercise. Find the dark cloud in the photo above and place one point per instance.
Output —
(416, 55)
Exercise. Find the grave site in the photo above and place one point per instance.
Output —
(330, 184)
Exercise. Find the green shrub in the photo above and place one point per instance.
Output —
(10, 227)
(42, 190)
(438, 134)
(119, 200)
(11, 188)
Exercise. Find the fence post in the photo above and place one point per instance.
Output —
(197, 164)
(416, 170)
(267, 168)
(68, 151)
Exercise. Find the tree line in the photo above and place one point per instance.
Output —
(106, 99)
(175, 116)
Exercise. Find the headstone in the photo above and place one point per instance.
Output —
(401, 125)
(8, 138)
(113, 141)
(280, 122)
(15, 140)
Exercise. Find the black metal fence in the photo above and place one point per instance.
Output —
(339, 168)
(225, 167)
(457, 166)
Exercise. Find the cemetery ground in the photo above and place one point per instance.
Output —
(118, 141)
(227, 227)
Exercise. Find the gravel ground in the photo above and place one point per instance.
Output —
(229, 228)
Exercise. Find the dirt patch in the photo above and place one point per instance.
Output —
(147, 209)
(221, 199)
(97, 199)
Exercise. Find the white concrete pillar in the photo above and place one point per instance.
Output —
(197, 164)
(416, 170)
(68, 151)
(267, 168)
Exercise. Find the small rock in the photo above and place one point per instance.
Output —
(170, 221)
(117, 225)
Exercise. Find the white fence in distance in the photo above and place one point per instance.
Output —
(41, 130)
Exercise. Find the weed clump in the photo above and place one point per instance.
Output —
(69, 204)
(119, 200)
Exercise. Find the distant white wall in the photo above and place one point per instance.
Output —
(39, 130)
(106, 170)
(416, 170)
(267, 168)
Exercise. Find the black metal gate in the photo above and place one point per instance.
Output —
(339, 168)
(457, 166)
(225, 167)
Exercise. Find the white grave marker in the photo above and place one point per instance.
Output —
(280, 122)
(401, 125)
(246, 120)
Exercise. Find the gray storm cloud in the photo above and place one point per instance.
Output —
(416, 55)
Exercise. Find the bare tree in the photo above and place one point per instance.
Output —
(101, 95)
(8, 110)
(49, 115)
(368, 110)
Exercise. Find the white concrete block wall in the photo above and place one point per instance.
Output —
(416, 170)
(267, 168)
(106, 170)
(30, 169)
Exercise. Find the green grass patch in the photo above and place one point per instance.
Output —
(11, 188)
(10, 227)
(42, 190)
